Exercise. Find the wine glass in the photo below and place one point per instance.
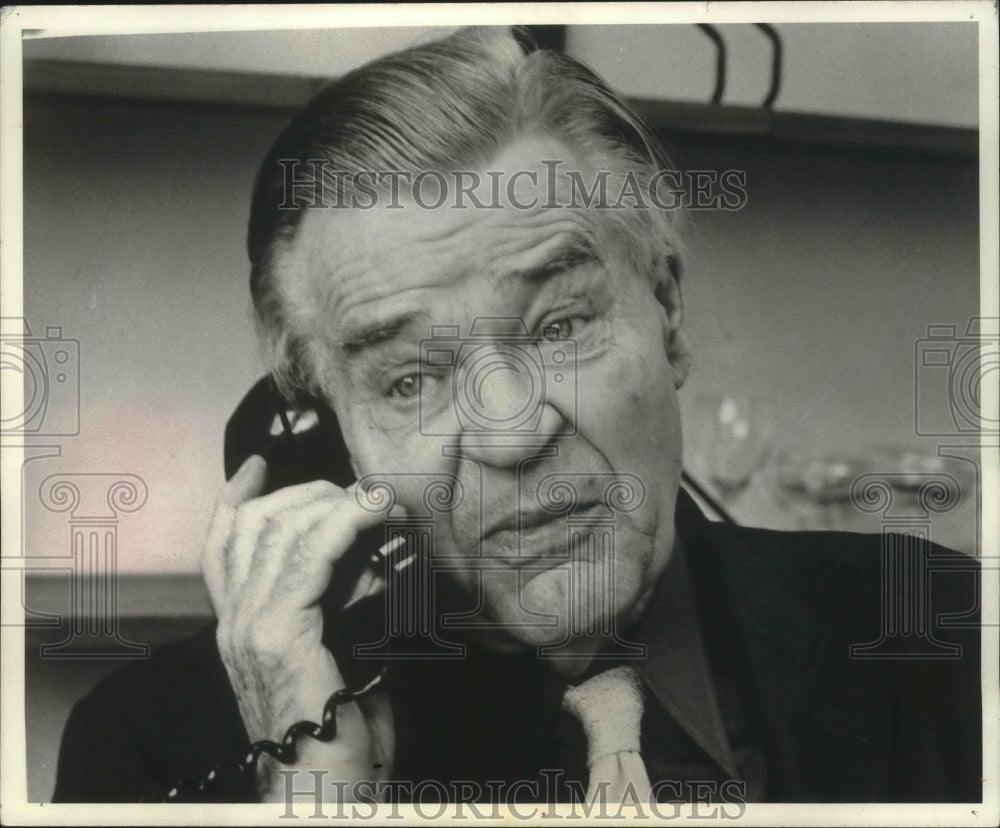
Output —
(732, 435)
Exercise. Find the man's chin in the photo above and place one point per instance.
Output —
(559, 607)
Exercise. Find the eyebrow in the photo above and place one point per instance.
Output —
(573, 253)
(379, 332)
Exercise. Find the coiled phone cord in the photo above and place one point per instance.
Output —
(284, 751)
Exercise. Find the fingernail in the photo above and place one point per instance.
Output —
(251, 463)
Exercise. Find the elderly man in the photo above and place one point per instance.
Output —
(466, 258)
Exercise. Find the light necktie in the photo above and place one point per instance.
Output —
(609, 706)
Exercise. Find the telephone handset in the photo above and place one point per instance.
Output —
(303, 444)
(299, 444)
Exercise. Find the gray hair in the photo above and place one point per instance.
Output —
(454, 101)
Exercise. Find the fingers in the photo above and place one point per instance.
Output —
(276, 513)
(294, 558)
(281, 547)
(248, 481)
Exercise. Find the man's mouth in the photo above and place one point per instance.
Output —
(540, 539)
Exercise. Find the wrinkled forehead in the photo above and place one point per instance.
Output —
(453, 226)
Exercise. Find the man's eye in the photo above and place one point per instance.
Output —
(408, 386)
(560, 329)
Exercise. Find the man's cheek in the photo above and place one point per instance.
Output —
(379, 446)
(617, 394)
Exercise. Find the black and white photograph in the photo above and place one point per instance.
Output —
(500, 413)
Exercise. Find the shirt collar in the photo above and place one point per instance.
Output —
(676, 665)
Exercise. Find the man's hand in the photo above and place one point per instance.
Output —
(267, 563)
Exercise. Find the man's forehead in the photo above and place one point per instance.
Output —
(354, 256)
(367, 271)
(524, 176)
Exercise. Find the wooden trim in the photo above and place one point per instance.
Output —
(803, 128)
(180, 595)
(549, 37)
(292, 92)
(170, 84)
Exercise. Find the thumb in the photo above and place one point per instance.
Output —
(248, 482)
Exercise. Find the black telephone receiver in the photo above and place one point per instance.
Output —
(301, 444)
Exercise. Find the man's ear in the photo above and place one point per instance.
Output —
(668, 294)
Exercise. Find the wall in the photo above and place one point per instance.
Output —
(134, 220)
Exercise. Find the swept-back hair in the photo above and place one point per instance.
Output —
(450, 104)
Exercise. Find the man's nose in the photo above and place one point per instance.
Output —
(507, 413)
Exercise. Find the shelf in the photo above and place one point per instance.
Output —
(248, 89)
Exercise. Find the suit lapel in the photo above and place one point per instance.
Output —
(826, 724)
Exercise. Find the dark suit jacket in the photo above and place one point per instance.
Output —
(835, 728)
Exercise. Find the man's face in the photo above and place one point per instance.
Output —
(569, 388)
